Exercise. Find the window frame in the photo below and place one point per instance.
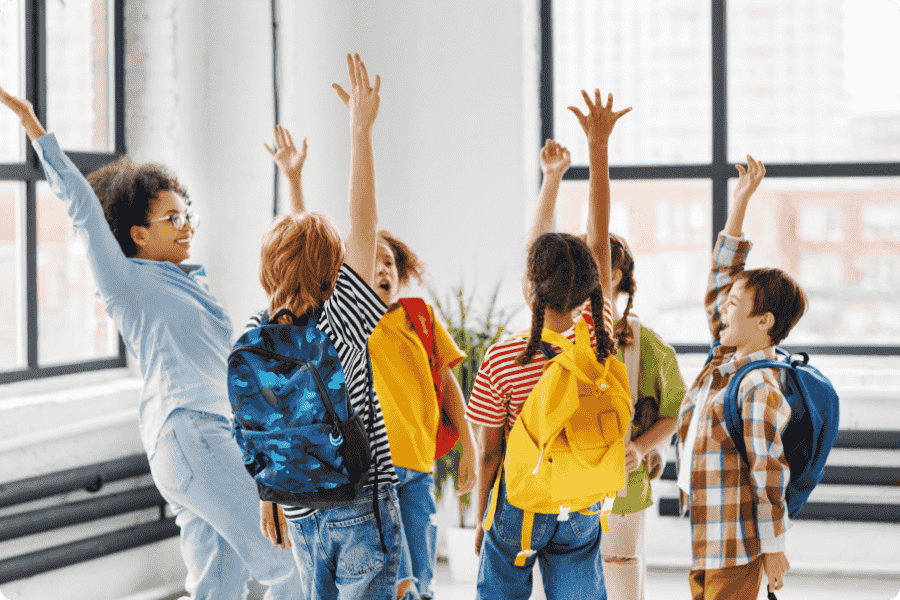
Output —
(30, 173)
(719, 170)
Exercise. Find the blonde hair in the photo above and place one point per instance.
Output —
(299, 262)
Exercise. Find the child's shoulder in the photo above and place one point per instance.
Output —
(765, 381)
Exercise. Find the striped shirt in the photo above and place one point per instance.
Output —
(348, 318)
(737, 512)
(502, 386)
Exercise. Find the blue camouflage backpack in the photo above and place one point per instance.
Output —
(811, 431)
(301, 440)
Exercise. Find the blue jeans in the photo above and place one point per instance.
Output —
(568, 553)
(341, 551)
(418, 508)
(198, 470)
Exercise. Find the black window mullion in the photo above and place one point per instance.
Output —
(546, 76)
(719, 120)
(118, 16)
(31, 304)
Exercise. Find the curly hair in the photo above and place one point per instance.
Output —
(563, 276)
(408, 264)
(126, 191)
(621, 258)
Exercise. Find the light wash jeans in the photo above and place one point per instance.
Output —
(340, 550)
(568, 553)
(198, 469)
(418, 508)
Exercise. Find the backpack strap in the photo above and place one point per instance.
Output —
(423, 324)
(733, 420)
(422, 321)
(526, 552)
(632, 364)
(371, 400)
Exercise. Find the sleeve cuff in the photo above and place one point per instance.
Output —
(773, 545)
(731, 242)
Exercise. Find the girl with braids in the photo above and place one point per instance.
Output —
(137, 226)
(659, 392)
(563, 273)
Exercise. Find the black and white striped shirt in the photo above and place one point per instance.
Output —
(348, 318)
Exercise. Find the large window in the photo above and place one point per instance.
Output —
(66, 58)
(800, 85)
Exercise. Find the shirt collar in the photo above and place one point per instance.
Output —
(732, 366)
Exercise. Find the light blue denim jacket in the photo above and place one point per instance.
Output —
(171, 323)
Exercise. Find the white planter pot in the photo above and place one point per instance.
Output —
(461, 557)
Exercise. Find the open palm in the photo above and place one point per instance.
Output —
(289, 159)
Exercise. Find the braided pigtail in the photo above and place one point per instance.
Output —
(534, 340)
(623, 331)
(606, 345)
(622, 259)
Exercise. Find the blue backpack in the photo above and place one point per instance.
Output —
(811, 431)
(301, 440)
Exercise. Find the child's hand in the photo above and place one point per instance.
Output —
(555, 159)
(362, 101)
(749, 180)
(600, 120)
(776, 566)
(289, 160)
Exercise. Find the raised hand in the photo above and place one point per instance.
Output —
(600, 120)
(555, 159)
(289, 160)
(363, 100)
(746, 185)
(749, 180)
(25, 111)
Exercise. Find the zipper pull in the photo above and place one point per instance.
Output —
(540, 460)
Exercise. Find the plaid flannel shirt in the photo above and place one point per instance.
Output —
(737, 511)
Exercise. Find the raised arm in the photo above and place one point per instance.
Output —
(598, 125)
(362, 102)
(747, 184)
(730, 252)
(555, 161)
(111, 269)
(290, 161)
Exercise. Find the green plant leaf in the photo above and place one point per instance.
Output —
(473, 332)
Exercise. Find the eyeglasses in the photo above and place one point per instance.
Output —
(180, 220)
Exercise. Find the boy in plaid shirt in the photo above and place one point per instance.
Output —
(738, 512)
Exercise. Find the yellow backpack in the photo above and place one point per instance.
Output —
(566, 450)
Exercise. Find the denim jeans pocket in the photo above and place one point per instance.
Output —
(584, 526)
(170, 468)
(359, 542)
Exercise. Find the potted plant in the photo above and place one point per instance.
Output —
(474, 332)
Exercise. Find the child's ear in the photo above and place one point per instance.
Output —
(138, 235)
(766, 322)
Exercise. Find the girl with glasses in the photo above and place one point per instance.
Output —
(138, 230)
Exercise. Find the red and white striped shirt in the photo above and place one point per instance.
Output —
(502, 386)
